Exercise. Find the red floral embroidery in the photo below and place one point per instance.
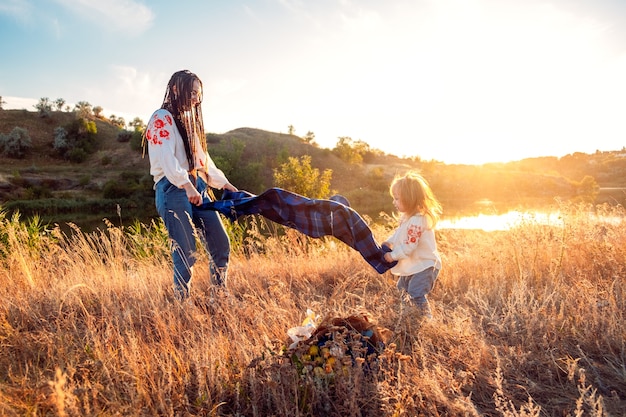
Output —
(413, 234)
(159, 130)
(155, 140)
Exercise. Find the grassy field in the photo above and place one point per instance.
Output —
(527, 322)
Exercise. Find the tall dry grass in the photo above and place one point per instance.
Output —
(527, 322)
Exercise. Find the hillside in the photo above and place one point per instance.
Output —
(116, 177)
(41, 175)
(42, 167)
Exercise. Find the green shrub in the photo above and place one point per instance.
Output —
(299, 176)
(60, 143)
(124, 136)
(37, 192)
(16, 144)
(117, 189)
(77, 140)
(77, 155)
(129, 185)
(136, 140)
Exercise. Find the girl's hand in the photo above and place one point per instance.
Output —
(388, 257)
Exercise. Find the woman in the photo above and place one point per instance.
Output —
(183, 171)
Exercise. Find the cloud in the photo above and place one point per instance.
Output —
(131, 91)
(126, 16)
(18, 103)
(21, 9)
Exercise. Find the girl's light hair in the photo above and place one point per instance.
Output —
(416, 197)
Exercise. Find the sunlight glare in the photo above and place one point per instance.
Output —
(500, 222)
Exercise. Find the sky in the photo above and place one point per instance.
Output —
(458, 81)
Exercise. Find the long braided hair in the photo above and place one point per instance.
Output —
(188, 118)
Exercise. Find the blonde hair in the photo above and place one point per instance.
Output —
(416, 197)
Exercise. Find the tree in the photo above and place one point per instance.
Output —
(83, 109)
(309, 138)
(348, 150)
(298, 176)
(2, 103)
(588, 189)
(44, 107)
(137, 124)
(117, 121)
(291, 130)
(97, 111)
(59, 103)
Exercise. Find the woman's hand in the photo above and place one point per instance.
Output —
(193, 195)
(230, 187)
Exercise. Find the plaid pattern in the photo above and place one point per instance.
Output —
(313, 217)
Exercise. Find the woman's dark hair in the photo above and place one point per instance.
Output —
(188, 117)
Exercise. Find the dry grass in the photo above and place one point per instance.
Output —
(528, 322)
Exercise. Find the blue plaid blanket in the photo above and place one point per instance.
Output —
(313, 217)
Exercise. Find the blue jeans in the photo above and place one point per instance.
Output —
(418, 286)
(182, 220)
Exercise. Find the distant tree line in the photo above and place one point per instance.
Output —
(257, 164)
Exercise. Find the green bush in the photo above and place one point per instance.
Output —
(116, 189)
(16, 144)
(77, 155)
(130, 185)
(124, 136)
(37, 192)
(136, 140)
(299, 176)
(60, 143)
(77, 140)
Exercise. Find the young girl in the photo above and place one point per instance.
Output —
(413, 243)
(183, 171)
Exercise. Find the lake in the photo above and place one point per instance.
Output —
(511, 219)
